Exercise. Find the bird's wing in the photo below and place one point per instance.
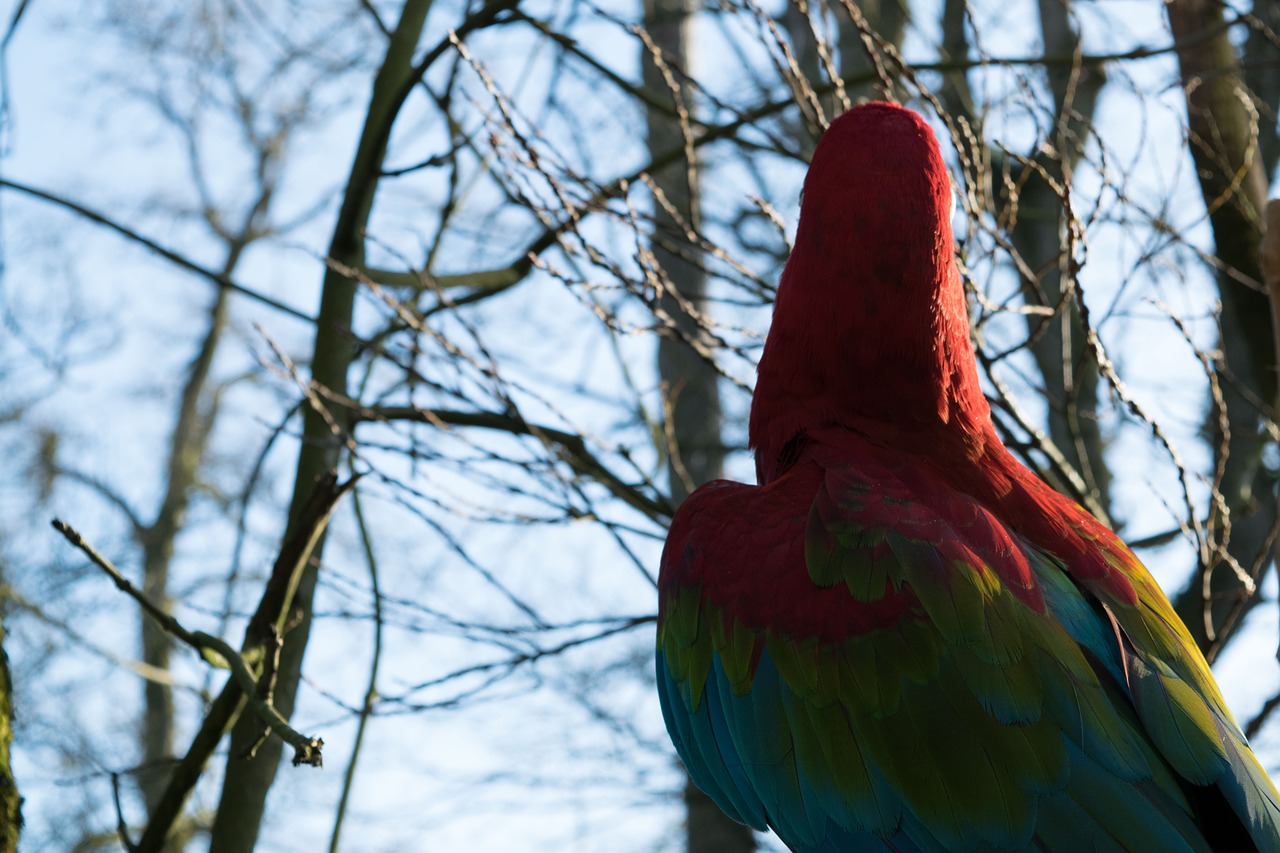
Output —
(863, 659)
(1176, 697)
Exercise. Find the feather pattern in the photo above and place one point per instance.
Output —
(988, 701)
(902, 639)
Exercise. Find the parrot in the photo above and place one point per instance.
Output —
(902, 639)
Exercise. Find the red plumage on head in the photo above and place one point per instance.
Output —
(870, 322)
(870, 334)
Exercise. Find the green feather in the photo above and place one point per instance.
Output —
(737, 652)
(1179, 722)
(1012, 692)
(954, 596)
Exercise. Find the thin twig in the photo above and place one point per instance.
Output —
(573, 447)
(371, 691)
(213, 649)
(168, 254)
(122, 827)
(1255, 725)
(272, 608)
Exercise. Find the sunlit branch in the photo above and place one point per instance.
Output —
(272, 609)
(214, 650)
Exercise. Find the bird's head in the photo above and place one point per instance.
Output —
(870, 327)
(877, 172)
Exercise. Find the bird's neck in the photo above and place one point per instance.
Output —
(874, 338)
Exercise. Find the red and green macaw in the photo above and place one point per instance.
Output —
(902, 639)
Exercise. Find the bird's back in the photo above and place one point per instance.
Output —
(865, 653)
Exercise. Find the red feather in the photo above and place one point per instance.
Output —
(871, 335)
(890, 514)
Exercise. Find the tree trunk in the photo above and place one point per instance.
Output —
(1229, 166)
(690, 384)
(1262, 74)
(1069, 371)
(186, 451)
(248, 780)
(10, 800)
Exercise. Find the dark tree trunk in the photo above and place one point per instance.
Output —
(690, 384)
(10, 799)
(1229, 164)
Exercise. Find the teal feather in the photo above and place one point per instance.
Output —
(903, 640)
(976, 718)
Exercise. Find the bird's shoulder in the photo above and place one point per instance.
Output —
(847, 539)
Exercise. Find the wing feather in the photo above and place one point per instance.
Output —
(846, 662)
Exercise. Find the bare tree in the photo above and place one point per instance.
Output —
(543, 274)
(1223, 135)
